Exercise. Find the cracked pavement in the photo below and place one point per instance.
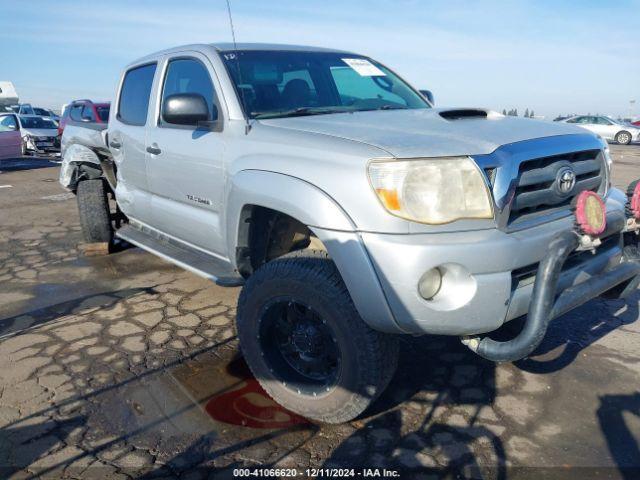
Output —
(126, 366)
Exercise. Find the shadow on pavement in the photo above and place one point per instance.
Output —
(622, 444)
(44, 315)
(453, 384)
(27, 163)
(576, 331)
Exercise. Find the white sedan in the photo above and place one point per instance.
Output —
(39, 134)
(607, 128)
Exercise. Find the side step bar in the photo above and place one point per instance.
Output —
(184, 256)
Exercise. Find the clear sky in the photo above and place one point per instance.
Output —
(552, 56)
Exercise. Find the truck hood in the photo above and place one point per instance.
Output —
(428, 132)
(40, 132)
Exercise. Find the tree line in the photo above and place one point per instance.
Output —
(514, 113)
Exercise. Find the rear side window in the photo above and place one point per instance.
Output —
(87, 113)
(76, 113)
(134, 96)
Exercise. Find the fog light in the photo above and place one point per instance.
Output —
(634, 199)
(590, 213)
(430, 283)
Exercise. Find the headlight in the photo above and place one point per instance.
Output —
(28, 140)
(434, 191)
(608, 162)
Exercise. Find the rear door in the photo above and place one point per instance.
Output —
(127, 141)
(186, 175)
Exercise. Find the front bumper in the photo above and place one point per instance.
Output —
(481, 291)
(49, 146)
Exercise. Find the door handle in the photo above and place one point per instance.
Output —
(154, 150)
(114, 144)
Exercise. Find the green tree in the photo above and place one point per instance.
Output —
(526, 113)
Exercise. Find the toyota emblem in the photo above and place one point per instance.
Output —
(565, 180)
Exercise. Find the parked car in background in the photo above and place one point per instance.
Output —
(636, 123)
(39, 134)
(45, 112)
(10, 138)
(23, 109)
(84, 111)
(607, 128)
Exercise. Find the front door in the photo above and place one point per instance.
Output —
(184, 163)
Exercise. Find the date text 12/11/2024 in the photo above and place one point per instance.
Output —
(317, 472)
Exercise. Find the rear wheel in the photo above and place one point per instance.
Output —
(623, 138)
(305, 342)
(93, 205)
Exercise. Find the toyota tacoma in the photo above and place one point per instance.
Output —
(350, 210)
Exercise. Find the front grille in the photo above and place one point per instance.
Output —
(538, 192)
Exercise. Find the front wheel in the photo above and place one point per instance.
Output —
(623, 138)
(305, 342)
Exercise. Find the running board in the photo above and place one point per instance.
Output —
(182, 255)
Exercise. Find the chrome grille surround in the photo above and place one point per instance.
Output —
(524, 183)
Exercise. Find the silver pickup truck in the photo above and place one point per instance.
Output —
(350, 210)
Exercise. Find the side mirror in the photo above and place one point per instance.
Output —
(188, 109)
(428, 95)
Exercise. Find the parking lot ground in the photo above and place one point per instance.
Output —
(125, 366)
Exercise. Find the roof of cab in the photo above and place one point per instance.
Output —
(227, 46)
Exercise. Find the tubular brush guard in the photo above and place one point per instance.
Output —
(545, 306)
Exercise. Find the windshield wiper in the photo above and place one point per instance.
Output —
(391, 107)
(297, 112)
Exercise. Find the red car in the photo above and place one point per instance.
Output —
(84, 111)
(637, 124)
(10, 138)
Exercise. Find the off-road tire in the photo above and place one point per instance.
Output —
(368, 357)
(93, 205)
(620, 138)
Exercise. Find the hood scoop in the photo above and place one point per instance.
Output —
(463, 113)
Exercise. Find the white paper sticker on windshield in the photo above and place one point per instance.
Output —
(364, 67)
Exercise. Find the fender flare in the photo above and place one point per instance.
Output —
(74, 157)
(317, 210)
(290, 195)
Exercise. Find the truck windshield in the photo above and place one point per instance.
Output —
(274, 84)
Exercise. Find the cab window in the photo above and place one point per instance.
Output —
(134, 95)
(76, 112)
(87, 114)
(187, 75)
